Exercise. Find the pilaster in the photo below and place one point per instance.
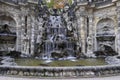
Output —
(32, 37)
(82, 28)
(118, 28)
(90, 37)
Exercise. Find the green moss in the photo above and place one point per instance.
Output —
(50, 4)
(84, 62)
(28, 62)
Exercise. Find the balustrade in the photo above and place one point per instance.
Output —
(102, 3)
(15, 1)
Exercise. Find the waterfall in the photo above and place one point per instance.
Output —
(56, 39)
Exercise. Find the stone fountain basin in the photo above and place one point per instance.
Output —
(65, 68)
(61, 72)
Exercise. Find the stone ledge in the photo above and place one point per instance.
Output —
(83, 71)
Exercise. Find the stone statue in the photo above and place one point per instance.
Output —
(25, 44)
(40, 30)
(89, 42)
(89, 48)
(69, 26)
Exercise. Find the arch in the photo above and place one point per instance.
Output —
(105, 33)
(105, 26)
(7, 20)
(11, 15)
(7, 33)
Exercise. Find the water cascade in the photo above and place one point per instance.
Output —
(58, 38)
(57, 43)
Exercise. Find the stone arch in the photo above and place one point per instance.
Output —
(8, 20)
(105, 33)
(14, 17)
(105, 26)
(10, 14)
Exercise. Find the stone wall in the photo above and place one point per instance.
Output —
(94, 15)
(28, 29)
(24, 19)
(103, 13)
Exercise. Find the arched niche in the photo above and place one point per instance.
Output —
(105, 34)
(105, 26)
(7, 20)
(7, 33)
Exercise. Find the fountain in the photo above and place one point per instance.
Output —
(59, 40)
(56, 38)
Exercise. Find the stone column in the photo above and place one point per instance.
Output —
(83, 36)
(118, 32)
(32, 36)
(78, 29)
(18, 41)
(83, 28)
(18, 34)
(29, 24)
(22, 34)
(118, 45)
(90, 37)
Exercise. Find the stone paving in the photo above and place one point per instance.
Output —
(100, 78)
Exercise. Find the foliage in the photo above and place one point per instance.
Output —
(50, 4)
(55, 3)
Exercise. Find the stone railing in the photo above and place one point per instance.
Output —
(83, 71)
(102, 3)
(15, 1)
(33, 1)
(82, 2)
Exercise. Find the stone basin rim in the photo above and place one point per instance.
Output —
(82, 71)
(68, 67)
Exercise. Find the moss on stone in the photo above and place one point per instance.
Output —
(81, 62)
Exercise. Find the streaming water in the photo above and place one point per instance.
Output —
(57, 40)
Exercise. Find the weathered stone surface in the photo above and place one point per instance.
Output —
(90, 21)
